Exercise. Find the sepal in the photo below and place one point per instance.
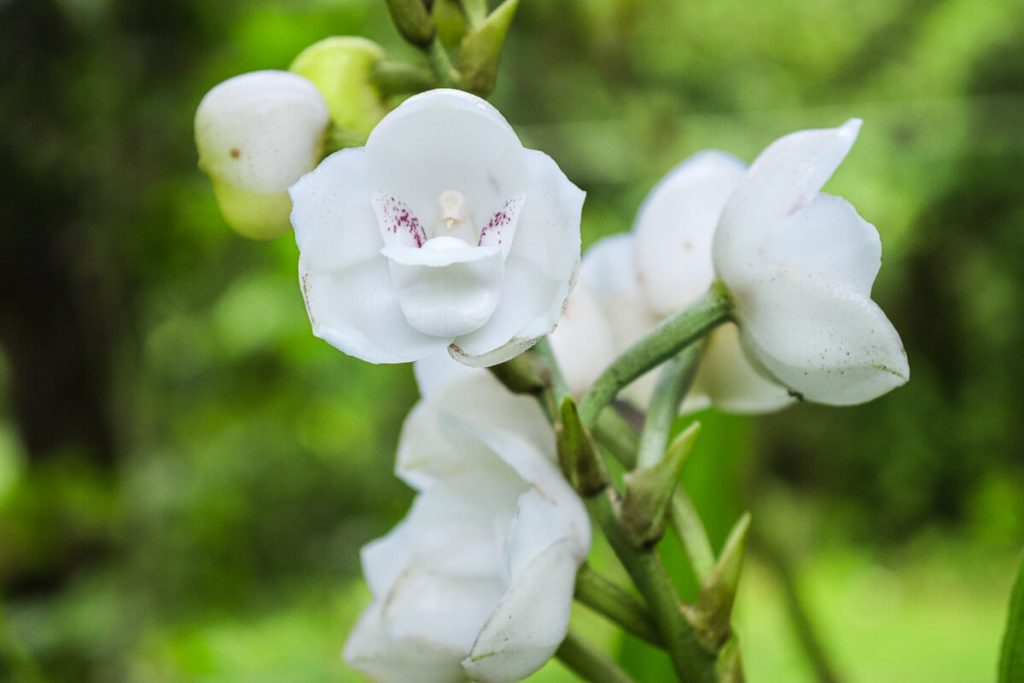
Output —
(649, 491)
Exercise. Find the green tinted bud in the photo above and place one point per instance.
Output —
(412, 21)
(481, 49)
(341, 68)
(256, 135)
(450, 23)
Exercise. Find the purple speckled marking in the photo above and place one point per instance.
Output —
(399, 219)
(493, 231)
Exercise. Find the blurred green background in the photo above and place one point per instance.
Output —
(186, 474)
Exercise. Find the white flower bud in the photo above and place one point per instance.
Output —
(257, 134)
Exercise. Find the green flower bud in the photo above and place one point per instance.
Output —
(257, 134)
(341, 68)
(481, 49)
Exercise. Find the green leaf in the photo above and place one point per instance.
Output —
(1011, 664)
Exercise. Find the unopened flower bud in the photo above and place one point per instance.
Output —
(341, 69)
(257, 134)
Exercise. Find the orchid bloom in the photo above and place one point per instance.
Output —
(641, 278)
(799, 265)
(257, 134)
(443, 232)
(477, 581)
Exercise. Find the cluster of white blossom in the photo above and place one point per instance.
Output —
(443, 237)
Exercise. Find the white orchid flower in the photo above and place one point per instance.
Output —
(442, 232)
(257, 134)
(477, 581)
(799, 265)
(664, 265)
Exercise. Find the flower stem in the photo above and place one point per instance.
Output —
(606, 598)
(588, 662)
(441, 63)
(673, 384)
(693, 663)
(621, 440)
(687, 523)
(396, 78)
(667, 339)
(812, 646)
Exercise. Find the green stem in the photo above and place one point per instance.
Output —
(606, 598)
(813, 648)
(621, 440)
(589, 663)
(692, 663)
(666, 340)
(398, 78)
(441, 63)
(687, 523)
(673, 384)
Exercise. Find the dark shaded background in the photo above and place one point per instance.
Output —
(186, 474)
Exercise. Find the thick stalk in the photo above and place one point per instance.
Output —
(692, 663)
(397, 78)
(674, 382)
(589, 663)
(441, 63)
(666, 340)
(812, 646)
(621, 440)
(609, 600)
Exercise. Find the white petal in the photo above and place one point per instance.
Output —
(822, 338)
(447, 288)
(435, 373)
(730, 382)
(425, 605)
(537, 467)
(444, 140)
(609, 273)
(782, 181)
(334, 220)
(675, 226)
(433, 443)
(583, 341)
(830, 238)
(500, 228)
(399, 226)
(260, 131)
(356, 310)
(530, 621)
(541, 267)
(372, 650)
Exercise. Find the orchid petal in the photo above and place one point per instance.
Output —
(357, 311)
(675, 227)
(821, 338)
(728, 380)
(260, 131)
(446, 288)
(583, 341)
(782, 181)
(829, 237)
(530, 621)
(540, 270)
(374, 651)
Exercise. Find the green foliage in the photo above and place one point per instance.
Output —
(1011, 663)
(218, 541)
